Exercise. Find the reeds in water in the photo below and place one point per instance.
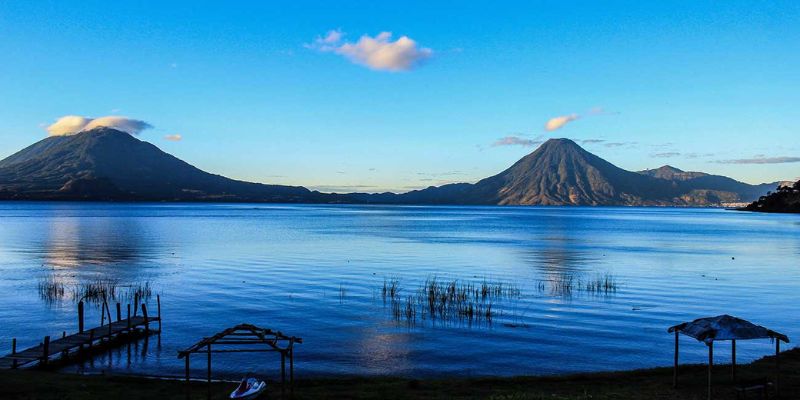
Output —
(51, 290)
(449, 300)
(95, 291)
(566, 284)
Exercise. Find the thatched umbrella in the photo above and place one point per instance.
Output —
(725, 327)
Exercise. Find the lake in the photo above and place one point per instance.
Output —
(319, 271)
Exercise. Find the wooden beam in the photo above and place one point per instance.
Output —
(675, 368)
(187, 368)
(144, 314)
(283, 369)
(710, 366)
(291, 366)
(80, 317)
(158, 305)
(733, 360)
(236, 351)
(777, 366)
(46, 350)
(209, 364)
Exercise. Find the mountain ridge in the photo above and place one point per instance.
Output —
(107, 164)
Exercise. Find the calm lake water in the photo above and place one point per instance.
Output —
(318, 271)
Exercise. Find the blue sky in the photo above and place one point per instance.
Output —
(256, 93)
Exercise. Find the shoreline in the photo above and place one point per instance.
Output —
(632, 384)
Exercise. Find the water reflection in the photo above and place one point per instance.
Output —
(72, 242)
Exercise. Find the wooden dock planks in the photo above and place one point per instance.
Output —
(76, 341)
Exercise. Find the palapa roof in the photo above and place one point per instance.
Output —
(725, 327)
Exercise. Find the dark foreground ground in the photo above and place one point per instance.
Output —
(640, 384)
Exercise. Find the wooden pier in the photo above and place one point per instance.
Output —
(120, 331)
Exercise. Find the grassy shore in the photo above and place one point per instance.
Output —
(639, 384)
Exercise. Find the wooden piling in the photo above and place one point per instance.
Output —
(103, 314)
(119, 313)
(187, 368)
(14, 352)
(291, 365)
(135, 303)
(46, 346)
(146, 321)
(80, 317)
(675, 368)
(129, 317)
(208, 377)
(710, 366)
(777, 366)
(158, 310)
(733, 360)
(283, 369)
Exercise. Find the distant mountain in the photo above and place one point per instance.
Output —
(700, 187)
(786, 199)
(671, 173)
(107, 164)
(560, 172)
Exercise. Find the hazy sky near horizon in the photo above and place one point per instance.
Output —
(316, 94)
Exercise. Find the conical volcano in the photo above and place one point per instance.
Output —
(108, 164)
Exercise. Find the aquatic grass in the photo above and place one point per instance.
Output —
(391, 289)
(448, 300)
(93, 291)
(565, 285)
(96, 291)
(601, 284)
(51, 290)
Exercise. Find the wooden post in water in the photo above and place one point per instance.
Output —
(135, 303)
(119, 313)
(14, 351)
(777, 366)
(187, 367)
(158, 309)
(675, 368)
(129, 317)
(46, 350)
(103, 314)
(283, 369)
(710, 366)
(291, 364)
(80, 317)
(733, 360)
(209, 364)
(146, 322)
(91, 337)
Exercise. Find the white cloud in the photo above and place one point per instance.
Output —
(378, 53)
(558, 122)
(761, 160)
(67, 125)
(72, 124)
(516, 141)
(173, 138)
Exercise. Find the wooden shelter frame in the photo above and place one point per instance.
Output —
(248, 335)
